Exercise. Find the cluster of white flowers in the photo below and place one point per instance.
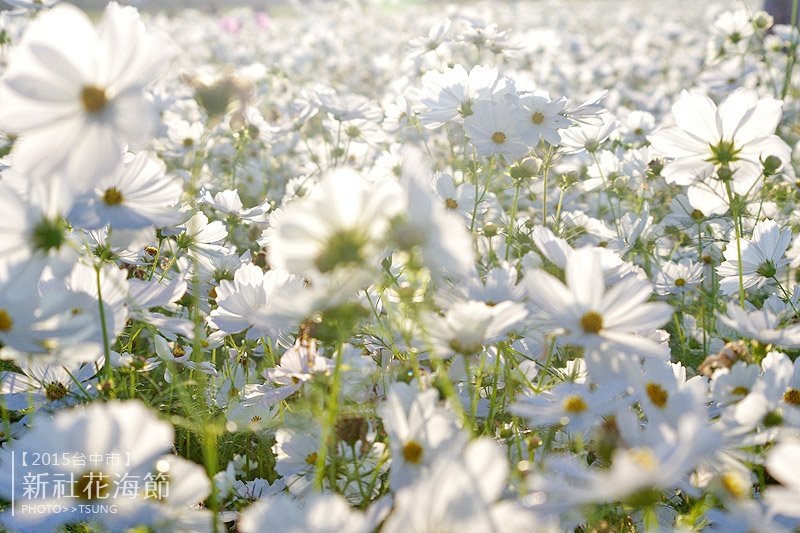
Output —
(499, 268)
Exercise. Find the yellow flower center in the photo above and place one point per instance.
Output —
(734, 483)
(680, 282)
(94, 99)
(740, 390)
(6, 322)
(311, 458)
(55, 391)
(644, 457)
(537, 118)
(498, 137)
(575, 404)
(413, 452)
(792, 396)
(592, 322)
(451, 203)
(657, 394)
(113, 196)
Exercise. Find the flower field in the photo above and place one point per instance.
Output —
(399, 267)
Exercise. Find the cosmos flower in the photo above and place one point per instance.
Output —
(258, 302)
(339, 225)
(179, 356)
(539, 117)
(762, 325)
(41, 323)
(584, 313)
(75, 97)
(329, 513)
(575, 406)
(460, 493)
(781, 464)
(492, 130)
(763, 258)
(453, 93)
(469, 325)
(739, 135)
(47, 384)
(678, 277)
(419, 429)
(134, 196)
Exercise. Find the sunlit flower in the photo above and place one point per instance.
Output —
(763, 258)
(737, 135)
(584, 313)
(75, 97)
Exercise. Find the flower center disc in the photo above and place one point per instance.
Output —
(792, 397)
(592, 322)
(657, 394)
(113, 196)
(498, 137)
(93, 99)
(575, 404)
(6, 322)
(413, 452)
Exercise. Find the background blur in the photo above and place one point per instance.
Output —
(216, 5)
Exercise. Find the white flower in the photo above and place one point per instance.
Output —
(762, 258)
(45, 322)
(298, 365)
(576, 406)
(295, 456)
(761, 325)
(491, 129)
(430, 228)
(453, 93)
(538, 117)
(228, 202)
(47, 384)
(179, 509)
(782, 462)
(75, 93)
(33, 226)
(177, 356)
(460, 493)
(134, 196)
(257, 301)
(468, 325)
(678, 277)
(324, 513)
(775, 399)
(339, 225)
(588, 136)
(660, 460)
(582, 312)
(420, 429)
(664, 393)
(738, 134)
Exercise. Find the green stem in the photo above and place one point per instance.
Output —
(329, 426)
(787, 79)
(104, 328)
(545, 174)
(737, 222)
(511, 219)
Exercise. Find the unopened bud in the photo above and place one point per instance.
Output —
(771, 165)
